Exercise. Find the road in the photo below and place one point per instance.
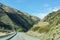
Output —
(21, 36)
(5, 37)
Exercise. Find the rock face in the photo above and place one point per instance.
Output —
(12, 18)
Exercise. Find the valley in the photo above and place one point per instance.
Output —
(29, 27)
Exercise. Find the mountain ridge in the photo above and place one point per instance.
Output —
(48, 28)
(17, 18)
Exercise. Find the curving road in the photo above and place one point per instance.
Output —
(20, 36)
(23, 36)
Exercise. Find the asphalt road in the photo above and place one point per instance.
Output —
(19, 36)
(23, 36)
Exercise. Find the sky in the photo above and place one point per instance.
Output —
(39, 8)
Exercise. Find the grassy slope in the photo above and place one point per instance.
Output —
(13, 18)
(49, 28)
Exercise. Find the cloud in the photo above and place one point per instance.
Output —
(56, 8)
(48, 10)
(40, 15)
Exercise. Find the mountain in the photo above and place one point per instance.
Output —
(48, 28)
(53, 18)
(11, 19)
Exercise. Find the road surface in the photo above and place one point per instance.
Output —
(21, 36)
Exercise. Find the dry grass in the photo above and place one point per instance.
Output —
(52, 34)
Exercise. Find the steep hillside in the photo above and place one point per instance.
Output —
(53, 18)
(12, 18)
(48, 28)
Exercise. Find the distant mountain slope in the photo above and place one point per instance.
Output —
(53, 18)
(16, 19)
(48, 28)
